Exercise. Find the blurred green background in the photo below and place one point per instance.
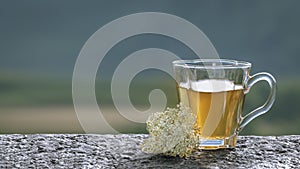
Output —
(40, 42)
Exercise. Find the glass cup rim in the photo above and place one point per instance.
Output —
(212, 64)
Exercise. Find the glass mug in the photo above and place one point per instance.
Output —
(214, 90)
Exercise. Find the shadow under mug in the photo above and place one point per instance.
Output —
(214, 90)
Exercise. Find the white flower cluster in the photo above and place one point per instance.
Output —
(171, 132)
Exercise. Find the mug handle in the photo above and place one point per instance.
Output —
(268, 104)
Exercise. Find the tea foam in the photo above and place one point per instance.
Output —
(211, 85)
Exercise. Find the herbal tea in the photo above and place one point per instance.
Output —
(217, 104)
(214, 90)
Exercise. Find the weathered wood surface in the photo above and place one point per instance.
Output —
(123, 151)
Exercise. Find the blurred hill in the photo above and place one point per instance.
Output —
(46, 37)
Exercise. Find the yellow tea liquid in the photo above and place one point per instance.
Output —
(217, 105)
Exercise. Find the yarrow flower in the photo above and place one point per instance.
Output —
(171, 132)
